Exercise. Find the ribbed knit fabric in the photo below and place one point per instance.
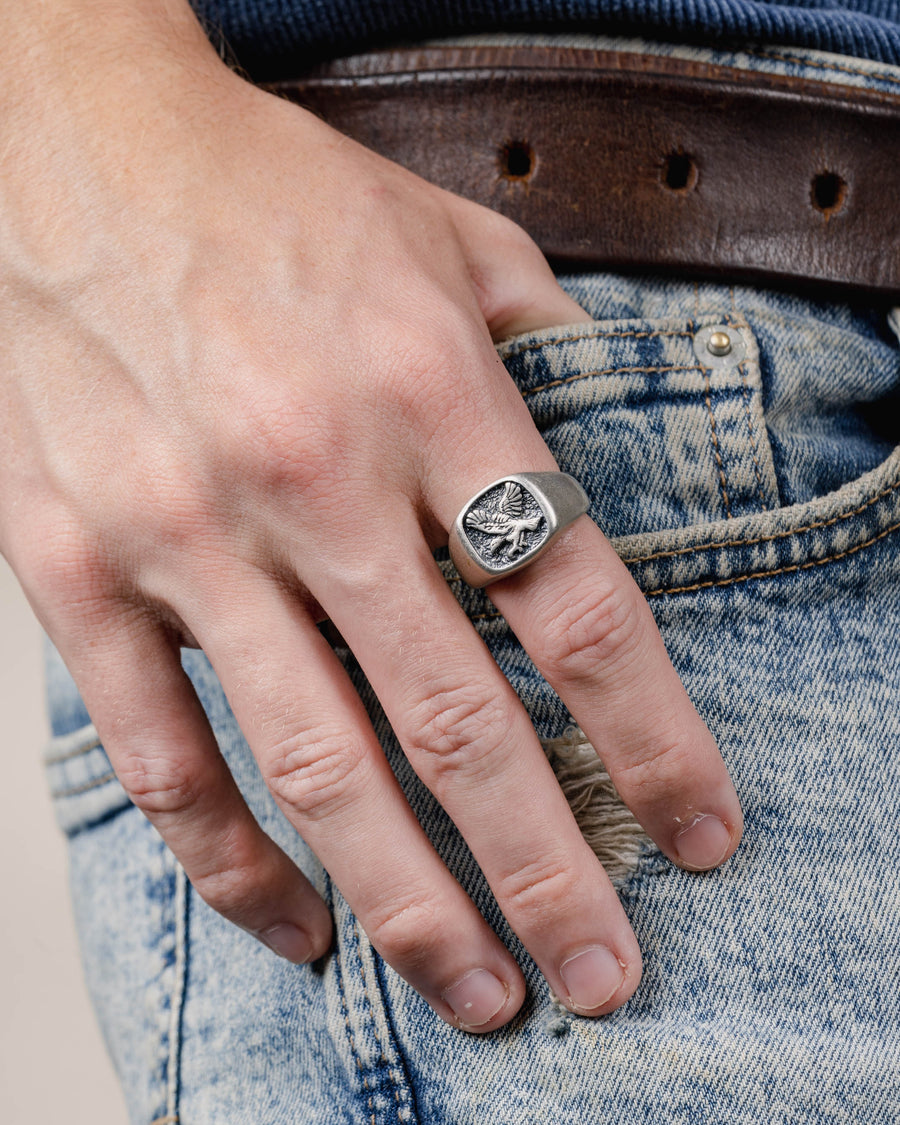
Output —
(271, 37)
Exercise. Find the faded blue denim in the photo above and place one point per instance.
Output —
(757, 504)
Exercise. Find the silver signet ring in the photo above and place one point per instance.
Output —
(512, 521)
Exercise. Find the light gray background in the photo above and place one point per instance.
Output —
(53, 1066)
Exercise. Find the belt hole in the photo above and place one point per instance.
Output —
(828, 193)
(516, 160)
(679, 172)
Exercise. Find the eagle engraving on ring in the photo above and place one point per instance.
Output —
(506, 523)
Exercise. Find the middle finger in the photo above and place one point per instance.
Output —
(469, 738)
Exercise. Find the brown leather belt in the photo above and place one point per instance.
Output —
(634, 162)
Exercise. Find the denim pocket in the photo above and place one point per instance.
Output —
(83, 785)
(661, 432)
(676, 455)
(82, 782)
(833, 528)
(672, 444)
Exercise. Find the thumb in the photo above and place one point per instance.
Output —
(513, 282)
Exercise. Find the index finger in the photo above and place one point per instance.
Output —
(591, 634)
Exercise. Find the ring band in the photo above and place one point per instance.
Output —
(508, 524)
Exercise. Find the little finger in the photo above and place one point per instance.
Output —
(164, 753)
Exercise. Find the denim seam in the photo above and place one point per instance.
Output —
(766, 538)
(176, 1000)
(771, 573)
(382, 1056)
(485, 616)
(75, 790)
(350, 1036)
(775, 56)
(598, 334)
(740, 322)
(85, 748)
(610, 371)
(707, 398)
(745, 389)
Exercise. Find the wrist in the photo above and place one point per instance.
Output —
(93, 94)
(77, 69)
(75, 43)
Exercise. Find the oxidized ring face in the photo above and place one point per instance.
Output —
(509, 523)
(505, 525)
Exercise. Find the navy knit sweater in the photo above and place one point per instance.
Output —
(273, 37)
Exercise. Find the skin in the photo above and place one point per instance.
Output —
(232, 340)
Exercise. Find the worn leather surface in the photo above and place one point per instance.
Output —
(636, 162)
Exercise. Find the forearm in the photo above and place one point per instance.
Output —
(76, 44)
(81, 81)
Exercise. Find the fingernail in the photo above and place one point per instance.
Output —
(476, 998)
(592, 977)
(703, 843)
(288, 941)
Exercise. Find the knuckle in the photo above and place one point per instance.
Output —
(314, 771)
(515, 240)
(415, 386)
(460, 726)
(167, 500)
(235, 889)
(157, 496)
(288, 448)
(361, 582)
(659, 770)
(538, 893)
(497, 230)
(407, 934)
(588, 634)
(159, 788)
(65, 565)
(419, 375)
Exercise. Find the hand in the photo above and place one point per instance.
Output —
(248, 382)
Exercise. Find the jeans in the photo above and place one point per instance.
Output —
(756, 499)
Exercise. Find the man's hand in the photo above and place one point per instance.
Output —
(248, 381)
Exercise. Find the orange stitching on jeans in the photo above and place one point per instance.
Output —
(609, 371)
(165, 1120)
(715, 440)
(599, 334)
(756, 467)
(772, 573)
(84, 748)
(764, 538)
(76, 789)
(485, 616)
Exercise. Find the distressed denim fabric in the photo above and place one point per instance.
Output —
(756, 500)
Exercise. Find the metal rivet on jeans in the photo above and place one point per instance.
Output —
(720, 346)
